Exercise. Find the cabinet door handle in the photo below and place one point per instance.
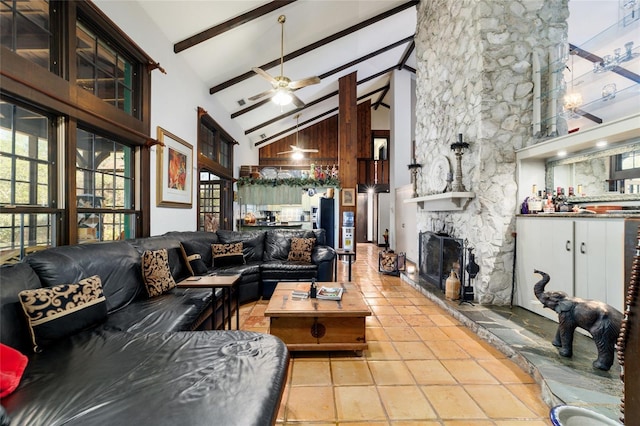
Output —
(582, 248)
(567, 245)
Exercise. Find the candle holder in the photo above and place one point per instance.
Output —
(414, 168)
(458, 148)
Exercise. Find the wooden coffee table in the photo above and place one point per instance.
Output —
(316, 324)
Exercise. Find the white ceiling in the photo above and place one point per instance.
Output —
(257, 42)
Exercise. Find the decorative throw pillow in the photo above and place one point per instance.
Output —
(12, 365)
(301, 249)
(62, 310)
(156, 273)
(194, 260)
(227, 254)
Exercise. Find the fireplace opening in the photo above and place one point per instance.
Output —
(439, 255)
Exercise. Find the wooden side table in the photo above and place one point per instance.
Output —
(349, 254)
(225, 282)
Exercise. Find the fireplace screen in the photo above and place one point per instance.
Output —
(439, 255)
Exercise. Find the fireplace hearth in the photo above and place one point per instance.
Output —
(439, 255)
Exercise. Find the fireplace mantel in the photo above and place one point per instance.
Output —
(448, 201)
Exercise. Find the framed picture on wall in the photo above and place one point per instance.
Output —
(349, 197)
(174, 171)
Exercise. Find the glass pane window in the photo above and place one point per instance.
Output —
(209, 216)
(26, 30)
(25, 166)
(23, 233)
(103, 70)
(104, 180)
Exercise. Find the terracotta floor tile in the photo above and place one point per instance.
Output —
(431, 333)
(372, 321)
(407, 310)
(381, 350)
(447, 350)
(521, 423)
(347, 372)
(419, 320)
(444, 320)
(480, 350)
(376, 301)
(401, 334)
(383, 310)
(406, 403)
(310, 403)
(430, 372)
(420, 300)
(400, 301)
(391, 321)
(390, 373)
(413, 350)
(254, 321)
(529, 394)
(307, 373)
(506, 371)
(453, 402)
(415, 423)
(457, 333)
(474, 422)
(468, 371)
(498, 402)
(430, 309)
(376, 333)
(358, 403)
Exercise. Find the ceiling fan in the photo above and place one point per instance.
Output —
(283, 87)
(295, 149)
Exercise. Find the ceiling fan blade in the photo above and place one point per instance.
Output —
(262, 95)
(262, 73)
(284, 152)
(296, 100)
(308, 150)
(304, 82)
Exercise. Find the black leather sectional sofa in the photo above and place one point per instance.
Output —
(148, 362)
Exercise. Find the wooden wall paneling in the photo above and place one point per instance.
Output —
(364, 130)
(348, 139)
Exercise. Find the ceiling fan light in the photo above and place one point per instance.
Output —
(282, 97)
(297, 155)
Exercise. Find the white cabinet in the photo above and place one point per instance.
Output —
(599, 260)
(583, 257)
(545, 244)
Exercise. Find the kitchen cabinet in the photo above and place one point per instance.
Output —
(599, 260)
(583, 256)
(544, 244)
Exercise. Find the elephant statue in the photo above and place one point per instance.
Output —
(598, 318)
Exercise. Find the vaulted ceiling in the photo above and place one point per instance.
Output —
(224, 40)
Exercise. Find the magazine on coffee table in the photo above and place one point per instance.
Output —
(330, 293)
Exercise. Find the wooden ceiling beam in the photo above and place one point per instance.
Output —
(229, 25)
(315, 45)
(333, 71)
(324, 114)
(311, 103)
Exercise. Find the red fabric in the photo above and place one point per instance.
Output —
(12, 365)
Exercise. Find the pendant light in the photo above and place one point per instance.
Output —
(572, 99)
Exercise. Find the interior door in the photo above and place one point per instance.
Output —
(361, 218)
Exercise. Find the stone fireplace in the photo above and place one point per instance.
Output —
(474, 76)
(439, 255)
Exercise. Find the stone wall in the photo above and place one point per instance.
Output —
(474, 77)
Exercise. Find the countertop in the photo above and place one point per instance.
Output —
(633, 214)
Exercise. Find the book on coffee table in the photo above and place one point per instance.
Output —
(330, 293)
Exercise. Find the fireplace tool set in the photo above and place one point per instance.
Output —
(472, 268)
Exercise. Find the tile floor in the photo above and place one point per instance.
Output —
(422, 367)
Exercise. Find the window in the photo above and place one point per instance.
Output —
(26, 30)
(209, 202)
(25, 175)
(215, 144)
(104, 188)
(103, 71)
(625, 172)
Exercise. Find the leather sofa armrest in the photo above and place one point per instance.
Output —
(322, 254)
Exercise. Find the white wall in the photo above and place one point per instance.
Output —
(175, 98)
(384, 214)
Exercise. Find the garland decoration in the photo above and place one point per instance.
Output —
(301, 182)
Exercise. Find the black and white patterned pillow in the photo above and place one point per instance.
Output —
(62, 310)
(156, 273)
